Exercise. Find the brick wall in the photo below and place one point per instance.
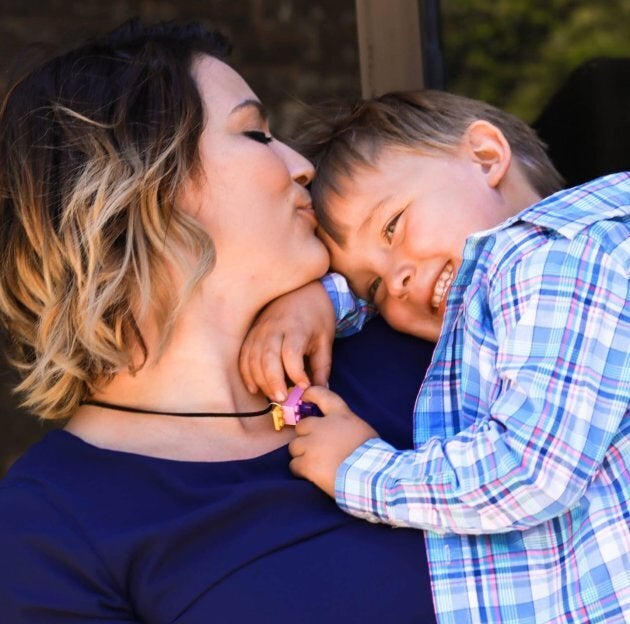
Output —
(289, 51)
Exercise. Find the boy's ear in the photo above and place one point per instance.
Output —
(488, 147)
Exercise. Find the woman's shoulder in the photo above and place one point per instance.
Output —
(29, 493)
(33, 486)
(76, 479)
(51, 564)
(35, 464)
(52, 457)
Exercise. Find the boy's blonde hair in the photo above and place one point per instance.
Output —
(353, 135)
(94, 145)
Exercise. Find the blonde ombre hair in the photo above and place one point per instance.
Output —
(94, 145)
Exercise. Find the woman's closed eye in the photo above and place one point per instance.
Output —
(258, 135)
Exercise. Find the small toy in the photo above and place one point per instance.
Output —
(293, 409)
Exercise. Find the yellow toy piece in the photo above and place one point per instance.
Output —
(277, 413)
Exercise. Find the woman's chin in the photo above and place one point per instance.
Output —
(319, 269)
(313, 273)
(324, 262)
(309, 264)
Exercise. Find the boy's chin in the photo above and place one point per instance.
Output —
(425, 328)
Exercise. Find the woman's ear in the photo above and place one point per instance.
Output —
(487, 146)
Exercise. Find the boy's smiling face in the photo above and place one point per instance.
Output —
(405, 221)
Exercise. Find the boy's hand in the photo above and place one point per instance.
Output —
(297, 325)
(323, 443)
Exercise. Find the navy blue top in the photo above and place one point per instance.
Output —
(92, 535)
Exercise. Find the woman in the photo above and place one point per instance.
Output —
(147, 217)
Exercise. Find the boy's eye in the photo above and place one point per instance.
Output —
(373, 288)
(390, 227)
(258, 135)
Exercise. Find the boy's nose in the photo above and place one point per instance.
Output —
(399, 281)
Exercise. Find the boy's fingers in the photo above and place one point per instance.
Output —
(257, 355)
(325, 399)
(295, 466)
(321, 362)
(245, 375)
(296, 447)
(245, 369)
(305, 427)
(270, 373)
(293, 352)
(249, 358)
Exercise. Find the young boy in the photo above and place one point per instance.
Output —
(430, 205)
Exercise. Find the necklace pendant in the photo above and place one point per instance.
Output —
(277, 413)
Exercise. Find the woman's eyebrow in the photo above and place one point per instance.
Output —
(255, 104)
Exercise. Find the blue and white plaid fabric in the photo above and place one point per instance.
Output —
(521, 468)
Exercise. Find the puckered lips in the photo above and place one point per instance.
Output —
(306, 210)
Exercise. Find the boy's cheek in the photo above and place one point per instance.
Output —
(409, 319)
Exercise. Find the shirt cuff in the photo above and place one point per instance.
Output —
(361, 479)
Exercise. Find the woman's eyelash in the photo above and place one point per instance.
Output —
(258, 135)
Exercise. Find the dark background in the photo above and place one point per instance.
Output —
(287, 50)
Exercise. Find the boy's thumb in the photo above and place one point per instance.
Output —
(325, 399)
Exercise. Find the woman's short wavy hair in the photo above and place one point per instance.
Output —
(341, 138)
(94, 145)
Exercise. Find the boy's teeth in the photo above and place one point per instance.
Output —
(441, 286)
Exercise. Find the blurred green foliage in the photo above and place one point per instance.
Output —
(516, 53)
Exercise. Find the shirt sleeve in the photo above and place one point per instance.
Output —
(562, 327)
(351, 312)
(48, 571)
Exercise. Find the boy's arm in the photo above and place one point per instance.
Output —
(351, 312)
(563, 390)
(301, 324)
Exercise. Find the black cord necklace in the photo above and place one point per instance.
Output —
(137, 410)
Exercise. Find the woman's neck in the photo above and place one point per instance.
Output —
(197, 372)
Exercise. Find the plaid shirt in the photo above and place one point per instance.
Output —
(521, 467)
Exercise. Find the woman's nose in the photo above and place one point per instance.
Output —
(302, 171)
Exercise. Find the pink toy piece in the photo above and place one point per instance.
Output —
(291, 406)
(293, 409)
